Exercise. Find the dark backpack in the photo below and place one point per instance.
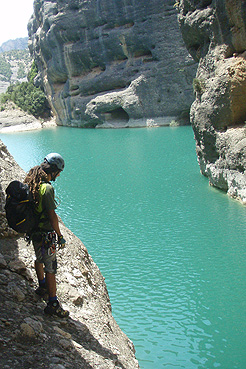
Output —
(20, 208)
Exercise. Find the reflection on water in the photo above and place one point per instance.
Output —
(171, 248)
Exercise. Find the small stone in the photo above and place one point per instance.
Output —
(77, 273)
(4, 280)
(71, 280)
(57, 366)
(17, 266)
(16, 291)
(19, 353)
(74, 295)
(27, 330)
(55, 360)
(67, 345)
(3, 263)
(62, 333)
(31, 328)
(3, 342)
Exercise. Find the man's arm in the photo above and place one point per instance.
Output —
(53, 218)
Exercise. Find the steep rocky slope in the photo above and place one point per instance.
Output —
(14, 67)
(215, 34)
(108, 61)
(89, 338)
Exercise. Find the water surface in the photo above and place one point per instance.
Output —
(171, 248)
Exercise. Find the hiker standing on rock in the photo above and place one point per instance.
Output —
(45, 238)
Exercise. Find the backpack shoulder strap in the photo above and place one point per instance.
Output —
(42, 190)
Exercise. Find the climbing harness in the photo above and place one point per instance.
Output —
(49, 242)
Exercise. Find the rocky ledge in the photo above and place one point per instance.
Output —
(89, 338)
(13, 119)
(215, 34)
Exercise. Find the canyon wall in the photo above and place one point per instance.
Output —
(108, 63)
(214, 32)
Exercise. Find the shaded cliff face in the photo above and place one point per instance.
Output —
(215, 35)
(107, 60)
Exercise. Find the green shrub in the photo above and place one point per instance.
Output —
(4, 97)
(27, 96)
(33, 72)
(21, 71)
(199, 85)
(5, 68)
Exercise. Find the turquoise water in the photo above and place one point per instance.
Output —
(171, 248)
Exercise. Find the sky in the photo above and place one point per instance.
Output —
(14, 16)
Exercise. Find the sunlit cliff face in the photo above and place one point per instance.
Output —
(214, 33)
(111, 60)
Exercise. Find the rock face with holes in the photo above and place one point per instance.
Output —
(215, 35)
(107, 63)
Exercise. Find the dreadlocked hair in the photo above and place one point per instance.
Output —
(34, 178)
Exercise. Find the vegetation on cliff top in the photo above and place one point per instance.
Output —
(27, 96)
(14, 65)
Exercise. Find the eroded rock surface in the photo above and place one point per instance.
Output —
(89, 338)
(107, 63)
(215, 34)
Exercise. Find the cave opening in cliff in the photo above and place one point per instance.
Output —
(118, 114)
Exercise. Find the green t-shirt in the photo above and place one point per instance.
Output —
(46, 204)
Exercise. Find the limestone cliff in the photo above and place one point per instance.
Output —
(215, 34)
(89, 338)
(108, 61)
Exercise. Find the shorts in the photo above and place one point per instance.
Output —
(43, 256)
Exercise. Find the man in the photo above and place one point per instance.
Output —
(45, 238)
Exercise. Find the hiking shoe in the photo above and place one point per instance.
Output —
(41, 291)
(54, 308)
